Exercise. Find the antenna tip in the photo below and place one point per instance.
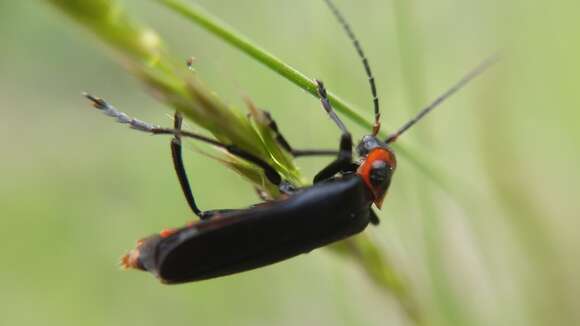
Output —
(98, 103)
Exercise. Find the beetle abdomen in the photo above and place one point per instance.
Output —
(246, 239)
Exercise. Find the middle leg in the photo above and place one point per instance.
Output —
(176, 154)
(284, 143)
(270, 173)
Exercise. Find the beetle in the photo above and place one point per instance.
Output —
(335, 207)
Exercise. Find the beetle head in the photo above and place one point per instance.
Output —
(377, 167)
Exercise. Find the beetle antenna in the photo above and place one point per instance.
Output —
(345, 25)
(452, 90)
(121, 117)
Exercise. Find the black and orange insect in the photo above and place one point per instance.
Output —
(335, 207)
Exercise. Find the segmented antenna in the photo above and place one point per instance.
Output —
(121, 117)
(364, 59)
(452, 90)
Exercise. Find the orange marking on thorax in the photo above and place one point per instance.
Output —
(364, 170)
(166, 233)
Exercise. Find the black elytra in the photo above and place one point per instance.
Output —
(245, 239)
(335, 207)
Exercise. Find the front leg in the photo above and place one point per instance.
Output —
(343, 162)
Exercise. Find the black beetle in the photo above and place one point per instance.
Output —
(336, 206)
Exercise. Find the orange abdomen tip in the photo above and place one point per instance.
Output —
(130, 260)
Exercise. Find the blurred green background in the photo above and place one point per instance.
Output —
(496, 246)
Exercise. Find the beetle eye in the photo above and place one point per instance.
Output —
(380, 173)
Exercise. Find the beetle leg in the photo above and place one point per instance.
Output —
(180, 169)
(284, 143)
(270, 173)
(284, 186)
(328, 108)
(182, 175)
(343, 162)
